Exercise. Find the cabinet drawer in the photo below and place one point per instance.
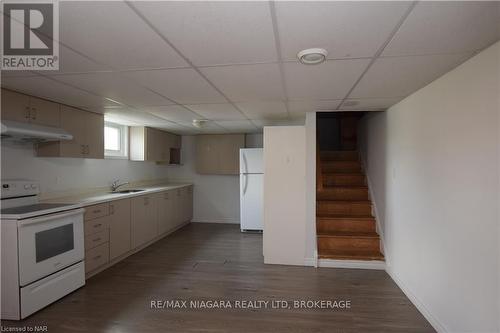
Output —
(96, 225)
(96, 257)
(96, 239)
(95, 211)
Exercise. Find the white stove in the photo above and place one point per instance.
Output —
(42, 249)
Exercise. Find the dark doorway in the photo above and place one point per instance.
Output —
(337, 130)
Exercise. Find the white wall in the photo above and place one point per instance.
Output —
(58, 175)
(433, 164)
(284, 195)
(216, 197)
(310, 255)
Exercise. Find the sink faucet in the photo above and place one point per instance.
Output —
(115, 185)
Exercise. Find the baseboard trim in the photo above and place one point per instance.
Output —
(353, 264)
(436, 324)
(379, 229)
(219, 220)
(310, 262)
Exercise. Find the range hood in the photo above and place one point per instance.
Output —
(26, 132)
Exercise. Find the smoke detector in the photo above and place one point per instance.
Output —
(312, 56)
(199, 123)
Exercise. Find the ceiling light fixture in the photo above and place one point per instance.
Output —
(199, 123)
(312, 56)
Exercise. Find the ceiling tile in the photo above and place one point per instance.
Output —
(247, 82)
(217, 111)
(447, 27)
(133, 117)
(114, 86)
(211, 32)
(407, 74)
(183, 85)
(329, 80)
(369, 104)
(293, 121)
(263, 110)
(176, 113)
(303, 106)
(176, 128)
(210, 127)
(238, 126)
(111, 33)
(71, 62)
(46, 88)
(346, 29)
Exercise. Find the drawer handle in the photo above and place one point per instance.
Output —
(97, 239)
(97, 225)
(97, 257)
(96, 211)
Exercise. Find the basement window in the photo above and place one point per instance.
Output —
(115, 140)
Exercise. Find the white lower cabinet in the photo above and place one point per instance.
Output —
(119, 228)
(114, 229)
(166, 218)
(144, 216)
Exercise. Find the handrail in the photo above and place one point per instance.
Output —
(319, 175)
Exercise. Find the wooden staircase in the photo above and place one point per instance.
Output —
(344, 222)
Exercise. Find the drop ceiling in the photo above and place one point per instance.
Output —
(163, 64)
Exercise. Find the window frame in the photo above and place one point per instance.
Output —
(123, 152)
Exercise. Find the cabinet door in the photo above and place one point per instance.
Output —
(94, 135)
(164, 146)
(219, 153)
(228, 152)
(189, 203)
(45, 112)
(73, 121)
(178, 210)
(119, 228)
(206, 154)
(144, 219)
(15, 106)
(151, 145)
(176, 141)
(165, 212)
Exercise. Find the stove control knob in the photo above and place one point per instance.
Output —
(33, 186)
(26, 187)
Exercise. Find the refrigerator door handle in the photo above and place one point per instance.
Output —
(245, 186)
(245, 163)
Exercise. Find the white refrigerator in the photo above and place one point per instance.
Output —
(251, 189)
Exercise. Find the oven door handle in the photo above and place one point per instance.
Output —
(50, 217)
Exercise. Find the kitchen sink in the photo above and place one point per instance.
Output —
(126, 191)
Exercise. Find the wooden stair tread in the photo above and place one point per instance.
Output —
(355, 217)
(350, 255)
(346, 217)
(347, 173)
(356, 186)
(360, 202)
(348, 234)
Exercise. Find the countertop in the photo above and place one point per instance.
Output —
(89, 199)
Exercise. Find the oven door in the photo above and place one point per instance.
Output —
(49, 243)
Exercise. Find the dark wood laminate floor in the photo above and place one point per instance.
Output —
(217, 262)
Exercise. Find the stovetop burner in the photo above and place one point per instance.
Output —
(32, 208)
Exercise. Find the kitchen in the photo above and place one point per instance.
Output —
(220, 165)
